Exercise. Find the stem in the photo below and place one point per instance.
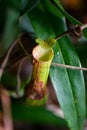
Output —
(83, 26)
(6, 105)
(62, 35)
(6, 58)
(24, 50)
(76, 30)
(69, 66)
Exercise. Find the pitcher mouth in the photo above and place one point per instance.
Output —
(42, 55)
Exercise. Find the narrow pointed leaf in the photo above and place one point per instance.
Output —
(61, 9)
(22, 112)
(10, 29)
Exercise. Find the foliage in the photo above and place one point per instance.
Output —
(46, 19)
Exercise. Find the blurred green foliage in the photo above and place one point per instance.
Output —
(46, 19)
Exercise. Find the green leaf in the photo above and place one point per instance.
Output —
(28, 5)
(68, 84)
(10, 83)
(10, 29)
(43, 33)
(34, 114)
(61, 9)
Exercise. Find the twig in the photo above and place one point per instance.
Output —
(69, 66)
(83, 26)
(6, 105)
(76, 30)
(62, 35)
(25, 50)
(6, 58)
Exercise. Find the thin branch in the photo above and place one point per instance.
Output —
(6, 58)
(62, 35)
(24, 50)
(69, 66)
(83, 26)
(6, 105)
(76, 30)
